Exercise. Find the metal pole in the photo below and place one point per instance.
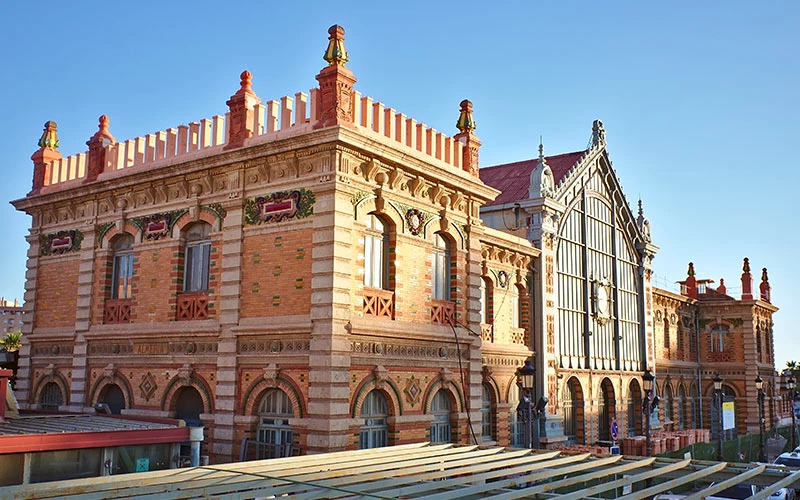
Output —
(718, 395)
(761, 452)
(794, 424)
(529, 418)
(648, 444)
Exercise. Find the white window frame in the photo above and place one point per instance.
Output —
(122, 267)
(196, 262)
(440, 268)
(376, 254)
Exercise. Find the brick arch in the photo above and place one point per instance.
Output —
(56, 377)
(128, 227)
(492, 383)
(169, 398)
(187, 219)
(451, 387)
(388, 389)
(102, 382)
(577, 407)
(260, 387)
(512, 385)
(390, 212)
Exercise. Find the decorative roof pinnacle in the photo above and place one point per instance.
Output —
(465, 121)
(541, 150)
(246, 83)
(336, 53)
(691, 269)
(746, 265)
(49, 138)
(764, 276)
(598, 134)
(641, 211)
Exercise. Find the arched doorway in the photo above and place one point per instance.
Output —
(51, 397)
(635, 409)
(375, 412)
(728, 396)
(189, 406)
(516, 428)
(487, 412)
(606, 407)
(113, 396)
(440, 409)
(573, 412)
(669, 417)
(681, 407)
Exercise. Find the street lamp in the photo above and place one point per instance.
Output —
(790, 384)
(526, 378)
(718, 397)
(760, 387)
(647, 382)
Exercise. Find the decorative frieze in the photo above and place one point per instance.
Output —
(405, 351)
(159, 225)
(272, 346)
(150, 348)
(61, 242)
(278, 207)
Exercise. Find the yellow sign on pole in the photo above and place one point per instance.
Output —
(728, 419)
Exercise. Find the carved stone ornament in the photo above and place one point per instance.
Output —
(381, 376)
(601, 301)
(271, 373)
(446, 376)
(502, 279)
(278, 207)
(148, 386)
(412, 391)
(61, 242)
(185, 372)
(415, 220)
(110, 370)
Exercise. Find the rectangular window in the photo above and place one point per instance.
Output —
(374, 262)
(441, 276)
(122, 274)
(196, 267)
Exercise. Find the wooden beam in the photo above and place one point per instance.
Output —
(744, 476)
(680, 481)
(783, 483)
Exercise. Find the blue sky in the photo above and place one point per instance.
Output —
(699, 102)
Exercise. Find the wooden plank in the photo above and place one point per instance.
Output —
(427, 473)
(600, 488)
(512, 481)
(744, 476)
(783, 483)
(666, 485)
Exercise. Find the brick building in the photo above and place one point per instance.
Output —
(323, 272)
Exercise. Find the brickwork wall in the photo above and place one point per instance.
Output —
(276, 270)
(56, 292)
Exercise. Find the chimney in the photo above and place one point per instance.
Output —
(96, 160)
(335, 105)
(747, 281)
(691, 282)
(46, 154)
(466, 136)
(241, 122)
(765, 288)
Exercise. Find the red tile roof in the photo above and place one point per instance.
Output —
(513, 179)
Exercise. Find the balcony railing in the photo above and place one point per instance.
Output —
(117, 311)
(193, 305)
(379, 303)
(487, 332)
(517, 336)
(443, 312)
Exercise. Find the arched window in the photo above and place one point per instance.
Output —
(485, 301)
(667, 343)
(573, 412)
(695, 405)
(189, 406)
(440, 409)
(374, 431)
(516, 426)
(112, 396)
(440, 273)
(197, 257)
(51, 397)
(376, 254)
(635, 409)
(487, 415)
(275, 436)
(681, 407)
(668, 403)
(758, 345)
(122, 272)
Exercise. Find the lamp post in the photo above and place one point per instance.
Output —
(718, 397)
(760, 387)
(526, 378)
(790, 384)
(647, 382)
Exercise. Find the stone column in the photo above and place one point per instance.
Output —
(228, 309)
(473, 320)
(83, 316)
(24, 372)
(329, 420)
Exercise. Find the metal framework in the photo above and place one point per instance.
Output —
(432, 472)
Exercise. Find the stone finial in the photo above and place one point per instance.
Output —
(241, 124)
(765, 286)
(722, 288)
(541, 179)
(747, 281)
(466, 136)
(45, 155)
(336, 53)
(690, 284)
(49, 139)
(690, 272)
(598, 134)
(96, 159)
(641, 211)
(465, 121)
